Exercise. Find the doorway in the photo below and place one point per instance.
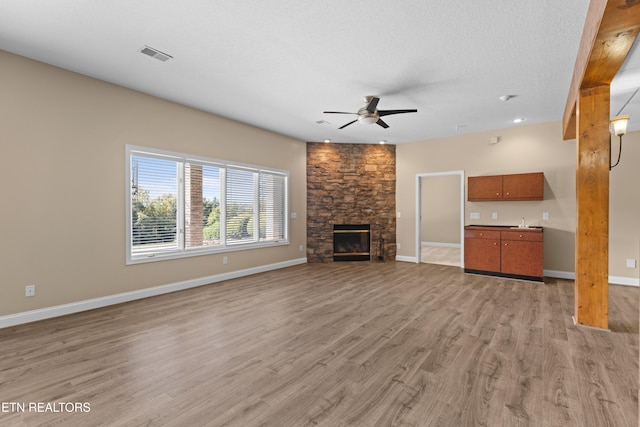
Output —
(440, 218)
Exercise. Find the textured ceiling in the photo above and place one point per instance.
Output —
(279, 64)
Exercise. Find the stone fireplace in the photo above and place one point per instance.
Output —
(351, 184)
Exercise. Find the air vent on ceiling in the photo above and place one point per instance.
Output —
(154, 53)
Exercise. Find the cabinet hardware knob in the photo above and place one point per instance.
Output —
(482, 234)
(506, 244)
(507, 194)
(521, 235)
(495, 244)
(497, 194)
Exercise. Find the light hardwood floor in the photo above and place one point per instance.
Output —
(336, 344)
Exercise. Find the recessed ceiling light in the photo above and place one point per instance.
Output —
(384, 141)
(327, 140)
(518, 120)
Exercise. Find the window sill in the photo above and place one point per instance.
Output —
(193, 252)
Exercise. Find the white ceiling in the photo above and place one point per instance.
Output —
(279, 64)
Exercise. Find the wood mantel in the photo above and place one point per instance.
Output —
(610, 30)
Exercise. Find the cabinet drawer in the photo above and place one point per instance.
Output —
(529, 236)
(481, 234)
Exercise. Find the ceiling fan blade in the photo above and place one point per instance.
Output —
(389, 112)
(381, 123)
(344, 126)
(337, 112)
(371, 107)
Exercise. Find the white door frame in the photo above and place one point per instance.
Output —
(460, 173)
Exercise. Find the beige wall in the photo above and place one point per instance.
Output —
(440, 210)
(624, 206)
(533, 148)
(62, 146)
(62, 143)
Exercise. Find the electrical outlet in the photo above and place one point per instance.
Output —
(545, 216)
(494, 215)
(475, 215)
(631, 263)
(398, 245)
(224, 260)
(399, 214)
(30, 291)
(300, 248)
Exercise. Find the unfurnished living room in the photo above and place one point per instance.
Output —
(417, 213)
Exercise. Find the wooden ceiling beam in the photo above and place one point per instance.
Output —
(610, 29)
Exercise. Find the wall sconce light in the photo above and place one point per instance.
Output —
(619, 127)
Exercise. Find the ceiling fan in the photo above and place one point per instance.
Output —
(370, 114)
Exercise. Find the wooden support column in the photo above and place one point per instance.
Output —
(592, 205)
(609, 31)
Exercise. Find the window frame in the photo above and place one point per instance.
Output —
(224, 246)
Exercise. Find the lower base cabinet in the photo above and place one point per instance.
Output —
(504, 251)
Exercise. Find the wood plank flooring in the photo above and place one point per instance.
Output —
(336, 344)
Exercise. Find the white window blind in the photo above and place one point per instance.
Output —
(272, 206)
(202, 204)
(180, 205)
(241, 210)
(154, 197)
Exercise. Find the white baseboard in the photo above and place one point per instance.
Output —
(569, 275)
(625, 281)
(614, 280)
(441, 245)
(90, 304)
(406, 258)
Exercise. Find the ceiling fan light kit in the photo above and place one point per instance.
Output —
(369, 114)
(368, 119)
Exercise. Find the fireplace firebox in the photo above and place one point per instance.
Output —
(351, 242)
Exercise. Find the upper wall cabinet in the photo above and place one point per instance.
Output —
(522, 186)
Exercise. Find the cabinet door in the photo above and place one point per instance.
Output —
(482, 254)
(523, 258)
(484, 188)
(523, 186)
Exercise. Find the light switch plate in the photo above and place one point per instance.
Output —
(545, 216)
(494, 215)
(475, 215)
(631, 263)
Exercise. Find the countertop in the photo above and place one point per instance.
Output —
(503, 228)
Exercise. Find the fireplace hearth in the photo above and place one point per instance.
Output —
(351, 242)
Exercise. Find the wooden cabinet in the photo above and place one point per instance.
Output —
(485, 188)
(515, 187)
(521, 253)
(482, 250)
(504, 251)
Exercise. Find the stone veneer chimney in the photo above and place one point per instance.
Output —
(350, 184)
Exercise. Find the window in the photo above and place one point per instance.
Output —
(180, 205)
